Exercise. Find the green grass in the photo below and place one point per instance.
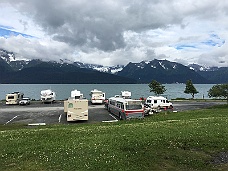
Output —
(166, 141)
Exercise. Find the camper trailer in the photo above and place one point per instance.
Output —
(14, 98)
(155, 103)
(97, 97)
(76, 107)
(47, 96)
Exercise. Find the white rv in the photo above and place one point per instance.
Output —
(157, 102)
(76, 107)
(14, 98)
(124, 107)
(47, 96)
(97, 96)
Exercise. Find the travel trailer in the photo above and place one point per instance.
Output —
(155, 103)
(76, 107)
(97, 97)
(124, 107)
(47, 96)
(14, 98)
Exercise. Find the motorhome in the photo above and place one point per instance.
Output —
(76, 107)
(124, 107)
(47, 96)
(14, 98)
(155, 103)
(97, 96)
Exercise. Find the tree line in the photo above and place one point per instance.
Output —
(217, 91)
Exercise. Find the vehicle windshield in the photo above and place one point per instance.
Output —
(132, 105)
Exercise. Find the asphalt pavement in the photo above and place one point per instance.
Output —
(39, 113)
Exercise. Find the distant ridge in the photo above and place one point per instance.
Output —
(161, 70)
(55, 73)
(13, 70)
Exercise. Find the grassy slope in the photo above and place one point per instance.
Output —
(168, 141)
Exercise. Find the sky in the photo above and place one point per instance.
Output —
(116, 32)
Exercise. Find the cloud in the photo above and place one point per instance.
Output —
(112, 32)
(35, 49)
(217, 57)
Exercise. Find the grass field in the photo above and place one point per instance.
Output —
(191, 140)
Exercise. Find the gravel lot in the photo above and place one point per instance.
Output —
(38, 112)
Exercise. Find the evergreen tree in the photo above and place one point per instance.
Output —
(156, 87)
(190, 88)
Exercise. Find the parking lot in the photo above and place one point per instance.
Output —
(39, 113)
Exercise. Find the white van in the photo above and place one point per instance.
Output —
(158, 102)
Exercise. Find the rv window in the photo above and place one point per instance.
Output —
(148, 101)
(155, 101)
(10, 97)
(132, 107)
(118, 105)
(112, 103)
(122, 106)
(163, 101)
(77, 97)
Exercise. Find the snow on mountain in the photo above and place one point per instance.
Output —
(197, 67)
(7, 56)
(18, 64)
(101, 68)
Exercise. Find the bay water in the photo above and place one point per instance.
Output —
(63, 91)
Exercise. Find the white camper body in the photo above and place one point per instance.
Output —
(14, 98)
(155, 104)
(97, 96)
(76, 107)
(47, 96)
(158, 102)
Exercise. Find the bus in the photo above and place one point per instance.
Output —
(124, 107)
(14, 98)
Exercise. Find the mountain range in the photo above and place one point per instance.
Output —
(164, 71)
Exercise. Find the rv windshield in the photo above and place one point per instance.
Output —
(132, 105)
(10, 97)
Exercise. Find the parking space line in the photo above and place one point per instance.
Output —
(113, 116)
(111, 120)
(60, 116)
(11, 119)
